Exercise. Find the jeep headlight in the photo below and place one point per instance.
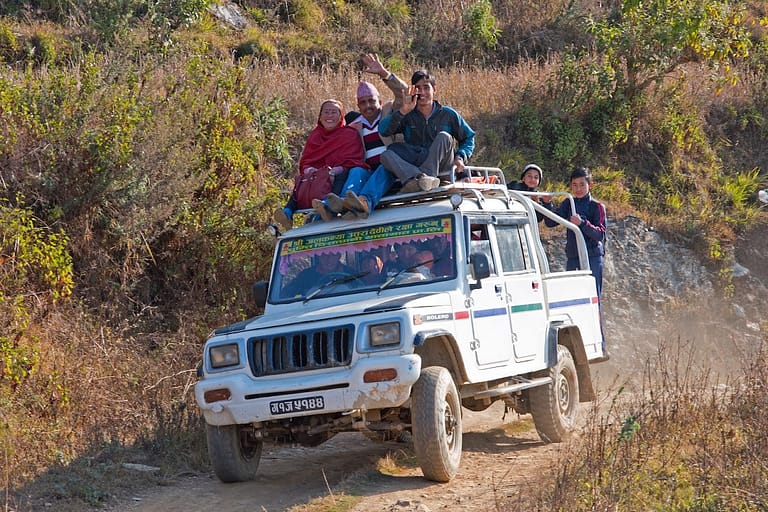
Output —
(384, 334)
(224, 355)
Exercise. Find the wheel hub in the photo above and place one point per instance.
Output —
(563, 393)
(450, 424)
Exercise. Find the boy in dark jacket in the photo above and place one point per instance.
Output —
(590, 217)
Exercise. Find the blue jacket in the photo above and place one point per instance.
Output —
(592, 225)
(418, 130)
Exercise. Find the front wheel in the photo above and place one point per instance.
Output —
(436, 424)
(234, 452)
(554, 407)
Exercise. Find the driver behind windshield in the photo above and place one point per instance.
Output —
(326, 264)
(405, 253)
(371, 264)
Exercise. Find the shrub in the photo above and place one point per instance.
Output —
(481, 27)
(9, 43)
(680, 443)
(35, 271)
(256, 46)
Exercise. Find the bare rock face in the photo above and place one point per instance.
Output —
(229, 13)
(656, 292)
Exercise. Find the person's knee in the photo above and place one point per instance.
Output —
(386, 158)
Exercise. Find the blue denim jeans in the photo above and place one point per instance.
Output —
(596, 264)
(354, 179)
(377, 185)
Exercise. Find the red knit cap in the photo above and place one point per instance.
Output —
(365, 89)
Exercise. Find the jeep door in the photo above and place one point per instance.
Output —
(487, 304)
(523, 286)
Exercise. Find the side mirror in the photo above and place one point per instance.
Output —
(260, 290)
(479, 267)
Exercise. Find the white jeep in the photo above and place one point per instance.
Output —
(438, 300)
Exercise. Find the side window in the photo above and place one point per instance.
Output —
(480, 242)
(513, 248)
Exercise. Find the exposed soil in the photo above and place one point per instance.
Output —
(500, 457)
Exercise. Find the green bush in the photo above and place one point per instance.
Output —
(481, 27)
(9, 43)
(35, 270)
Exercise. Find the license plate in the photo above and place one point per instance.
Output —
(297, 405)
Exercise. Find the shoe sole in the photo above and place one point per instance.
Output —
(410, 186)
(282, 220)
(427, 183)
(335, 203)
(322, 210)
(355, 205)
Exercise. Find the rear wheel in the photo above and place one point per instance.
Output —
(554, 407)
(436, 424)
(234, 452)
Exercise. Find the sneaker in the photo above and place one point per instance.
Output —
(410, 186)
(322, 210)
(282, 220)
(357, 204)
(427, 182)
(335, 203)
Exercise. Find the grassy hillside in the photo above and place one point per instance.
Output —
(143, 147)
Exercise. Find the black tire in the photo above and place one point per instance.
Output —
(234, 452)
(554, 407)
(436, 424)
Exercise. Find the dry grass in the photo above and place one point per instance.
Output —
(473, 92)
(97, 399)
(681, 442)
(398, 463)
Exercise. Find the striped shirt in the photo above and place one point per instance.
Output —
(372, 142)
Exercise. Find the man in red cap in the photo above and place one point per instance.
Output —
(371, 111)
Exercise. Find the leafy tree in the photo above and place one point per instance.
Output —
(646, 40)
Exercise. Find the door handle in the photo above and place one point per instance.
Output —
(497, 288)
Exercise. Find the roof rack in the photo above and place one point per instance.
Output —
(483, 182)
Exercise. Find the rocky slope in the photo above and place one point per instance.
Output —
(656, 291)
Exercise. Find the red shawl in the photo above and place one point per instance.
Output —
(340, 146)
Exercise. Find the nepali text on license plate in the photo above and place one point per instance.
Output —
(296, 405)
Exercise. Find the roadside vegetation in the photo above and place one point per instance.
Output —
(144, 146)
(684, 444)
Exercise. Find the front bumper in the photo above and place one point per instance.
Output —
(341, 390)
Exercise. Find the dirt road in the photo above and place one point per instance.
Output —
(503, 458)
(498, 454)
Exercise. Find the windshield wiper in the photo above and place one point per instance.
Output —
(334, 282)
(403, 271)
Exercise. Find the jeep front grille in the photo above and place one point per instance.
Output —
(305, 350)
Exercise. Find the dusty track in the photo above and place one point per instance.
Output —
(498, 459)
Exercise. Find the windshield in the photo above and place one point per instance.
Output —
(364, 259)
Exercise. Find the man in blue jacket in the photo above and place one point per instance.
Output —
(590, 217)
(436, 139)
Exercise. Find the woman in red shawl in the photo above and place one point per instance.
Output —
(331, 145)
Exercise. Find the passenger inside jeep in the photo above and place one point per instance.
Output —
(480, 242)
(370, 258)
(405, 253)
(373, 265)
(327, 265)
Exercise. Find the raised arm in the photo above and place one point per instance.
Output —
(374, 66)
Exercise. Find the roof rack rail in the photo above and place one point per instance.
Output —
(483, 181)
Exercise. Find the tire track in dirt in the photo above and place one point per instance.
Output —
(498, 454)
